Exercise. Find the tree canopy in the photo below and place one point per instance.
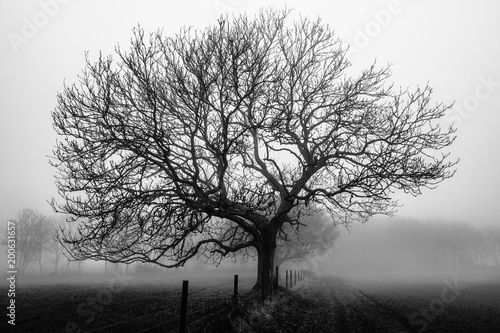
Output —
(250, 121)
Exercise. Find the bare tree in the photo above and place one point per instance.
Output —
(491, 236)
(32, 232)
(53, 245)
(243, 121)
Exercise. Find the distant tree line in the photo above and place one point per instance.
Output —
(451, 244)
(411, 244)
(37, 245)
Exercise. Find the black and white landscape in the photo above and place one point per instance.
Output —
(237, 166)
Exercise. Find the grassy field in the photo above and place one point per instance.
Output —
(450, 302)
(118, 303)
(340, 303)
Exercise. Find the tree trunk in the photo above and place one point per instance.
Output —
(40, 263)
(21, 265)
(265, 266)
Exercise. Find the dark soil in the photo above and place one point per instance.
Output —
(321, 304)
(333, 304)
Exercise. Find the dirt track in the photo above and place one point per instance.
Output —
(343, 308)
(341, 305)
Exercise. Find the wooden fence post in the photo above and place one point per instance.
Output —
(235, 290)
(286, 279)
(277, 278)
(295, 277)
(182, 325)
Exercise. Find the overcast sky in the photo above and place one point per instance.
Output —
(453, 45)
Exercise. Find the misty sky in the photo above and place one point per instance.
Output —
(452, 45)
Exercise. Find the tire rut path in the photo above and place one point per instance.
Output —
(352, 310)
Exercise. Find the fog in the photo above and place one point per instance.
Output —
(94, 273)
(384, 246)
(402, 247)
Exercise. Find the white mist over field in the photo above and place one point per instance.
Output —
(397, 246)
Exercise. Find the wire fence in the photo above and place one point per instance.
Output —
(204, 305)
(162, 313)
